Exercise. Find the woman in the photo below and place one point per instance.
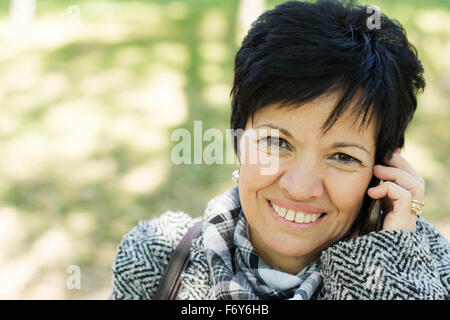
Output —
(325, 99)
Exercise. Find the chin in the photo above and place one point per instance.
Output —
(293, 250)
(289, 245)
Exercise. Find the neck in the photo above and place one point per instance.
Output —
(291, 265)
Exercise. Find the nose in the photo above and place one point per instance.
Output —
(302, 180)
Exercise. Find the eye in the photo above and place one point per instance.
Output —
(273, 144)
(345, 159)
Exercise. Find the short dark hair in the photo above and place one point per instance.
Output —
(298, 51)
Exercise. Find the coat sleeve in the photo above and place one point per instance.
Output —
(143, 255)
(389, 265)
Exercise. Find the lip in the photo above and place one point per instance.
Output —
(305, 208)
(292, 224)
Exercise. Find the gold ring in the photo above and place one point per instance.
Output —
(416, 207)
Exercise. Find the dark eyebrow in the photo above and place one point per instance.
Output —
(349, 144)
(271, 125)
(334, 145)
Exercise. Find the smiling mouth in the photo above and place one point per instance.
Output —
(296, 216)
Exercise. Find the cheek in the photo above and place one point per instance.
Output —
(258, 169)
(251, 184)
(251, 181)
(250, 178)
(348, 199)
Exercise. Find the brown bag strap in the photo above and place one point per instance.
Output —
(170, 281)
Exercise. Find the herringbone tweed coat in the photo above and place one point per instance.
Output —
(387, 265)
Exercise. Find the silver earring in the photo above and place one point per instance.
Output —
(235, 176)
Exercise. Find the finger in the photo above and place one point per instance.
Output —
(400, 162)
(400, 217)
(400, 197)
(402, 178)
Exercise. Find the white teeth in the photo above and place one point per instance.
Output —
(307, 218)
(300, 217)
(291, 215)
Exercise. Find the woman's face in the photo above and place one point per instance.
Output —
(312, 175)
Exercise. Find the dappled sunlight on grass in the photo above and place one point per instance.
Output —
(128, 56)
(160, 99)
(52, 248)
(25, 156)
(217, 95)
(213, 25)
(133, 130)
(10, 230)
(80, 223)
(423, 161)
(105, 81)
(214, 51)
(74, 128)
(177, 10)
(145, 178)
(172, 53)
(211, 73)
(85, 133)
(87, 172)
(433, 21)
(22, 73)
(433, 101)
(435, 174)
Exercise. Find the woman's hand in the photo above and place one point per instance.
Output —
(401, 185)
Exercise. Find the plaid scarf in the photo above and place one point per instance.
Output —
(237, 271)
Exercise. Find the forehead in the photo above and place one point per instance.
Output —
(309, 119)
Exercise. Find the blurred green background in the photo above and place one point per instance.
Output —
(90, 94)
